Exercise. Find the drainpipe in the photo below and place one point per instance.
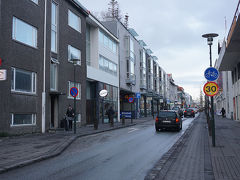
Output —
(44, 72)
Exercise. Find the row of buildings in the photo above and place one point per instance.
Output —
(49, 46)
(228, 63)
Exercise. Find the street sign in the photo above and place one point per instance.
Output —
(3, 74)
(126, 114)
(103, 93)
(211, 74)
(130, 99)
(74, 91)
(211, 88)
(138, 95)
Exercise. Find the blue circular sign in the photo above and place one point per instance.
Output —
(130, 100)
(211, 74)
(74, 91)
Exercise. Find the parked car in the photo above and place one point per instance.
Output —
(177, 109)
(168, 120)
(189, 112)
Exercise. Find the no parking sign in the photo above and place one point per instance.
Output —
(74, 91)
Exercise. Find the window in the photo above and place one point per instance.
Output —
(35, 1)
(54, 28)
(23, 81)
(24, 32)
(54, 75)
(74, 21)
(78, 86)
(23, 119)
(88, 45)
(74, 53)
(107, 65)
(107, 42)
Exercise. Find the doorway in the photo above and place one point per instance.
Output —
(54, 112)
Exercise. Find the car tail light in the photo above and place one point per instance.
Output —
(156, 119)
(185, 111)
(192, 111)
(177, 120)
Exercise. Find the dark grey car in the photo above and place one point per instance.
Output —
(168, 120)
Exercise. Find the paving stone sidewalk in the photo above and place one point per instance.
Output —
(189, 158)
(225, 156)
(26, 149)
(193, 156)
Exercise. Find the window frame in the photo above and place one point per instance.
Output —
(34, 120)
(54, 62)
(34, 35)
(107, 68)
(80, 54)
(33, 81)
(55, 26)
(79, 21)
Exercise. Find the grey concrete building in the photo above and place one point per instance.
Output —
(40, 40)
(130, 51)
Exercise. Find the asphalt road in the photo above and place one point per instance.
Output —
(124, 154)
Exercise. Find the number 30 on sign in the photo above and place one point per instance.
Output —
(210, 88)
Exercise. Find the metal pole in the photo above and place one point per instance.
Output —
(131, 107)
(212, 102)
(74, 106)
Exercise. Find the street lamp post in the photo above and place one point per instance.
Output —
(75, 61)
(210, 37)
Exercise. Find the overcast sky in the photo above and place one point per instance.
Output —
(173, 30)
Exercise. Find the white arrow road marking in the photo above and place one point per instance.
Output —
(132, 130)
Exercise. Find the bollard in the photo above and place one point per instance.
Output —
(123, 120)
(95, 123)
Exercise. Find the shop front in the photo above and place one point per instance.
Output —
(97, 106)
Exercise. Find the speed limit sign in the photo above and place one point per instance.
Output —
(210, 88)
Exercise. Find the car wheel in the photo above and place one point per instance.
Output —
(179, 127)
(157, 129)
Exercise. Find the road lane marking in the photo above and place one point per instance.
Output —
(132, 130)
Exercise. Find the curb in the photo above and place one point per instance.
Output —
(60, 149)
(158, 167)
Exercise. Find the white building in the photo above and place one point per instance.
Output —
(102, 56)
(224, 99)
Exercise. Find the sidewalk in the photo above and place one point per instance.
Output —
(194, 157)
(226, 155)
(23, 150)
(189, 158)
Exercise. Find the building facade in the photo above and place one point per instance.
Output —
(40, 44)
(224, 99)
(102, 72)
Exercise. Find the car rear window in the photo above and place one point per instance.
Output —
(167, 114)
(189, 110)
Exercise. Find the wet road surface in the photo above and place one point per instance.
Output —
(124, 154)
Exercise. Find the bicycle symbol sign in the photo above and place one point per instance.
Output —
(210, 88)
(211, 74)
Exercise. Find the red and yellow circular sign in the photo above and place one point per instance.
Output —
(211, 88)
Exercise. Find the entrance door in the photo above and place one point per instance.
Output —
(90, 110)
(54, 112)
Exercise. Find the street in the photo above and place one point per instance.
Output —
(127, 153)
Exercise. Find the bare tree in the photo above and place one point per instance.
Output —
(113, 11)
